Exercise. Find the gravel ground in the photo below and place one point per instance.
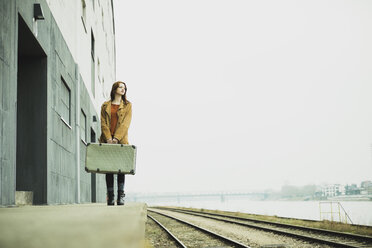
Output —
(157, 237)
(189, 236)
(249, 236)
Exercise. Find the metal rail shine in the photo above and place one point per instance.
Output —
(167, 231)
(306, 237)
(218, 236)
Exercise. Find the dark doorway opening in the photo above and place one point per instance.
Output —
(31, 167)
(93, 184)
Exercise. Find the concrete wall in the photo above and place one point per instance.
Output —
(77, 32)
(85, 178)
(8, 96)
(62, 179)
(65, 177)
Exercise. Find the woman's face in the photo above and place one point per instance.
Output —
(121, 89)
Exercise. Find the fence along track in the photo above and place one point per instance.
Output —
(231, 242)
(355, 241)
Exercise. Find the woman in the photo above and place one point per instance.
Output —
(116, 115)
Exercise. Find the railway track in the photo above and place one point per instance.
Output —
(332, 238)
(188, 235)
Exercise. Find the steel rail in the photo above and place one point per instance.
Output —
(167, 231)
(319, 230)
(218, 236)
(300, 236)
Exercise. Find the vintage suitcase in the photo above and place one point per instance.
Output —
(111, 158)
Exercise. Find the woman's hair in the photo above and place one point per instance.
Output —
(113, 90)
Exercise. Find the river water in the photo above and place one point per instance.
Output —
(360, 212)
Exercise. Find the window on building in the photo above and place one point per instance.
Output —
(92, 64)
(65, 102)
(103, 19)
(83, 126)
(98, 70)
(84, 13)
(92, 135)
(103, 87)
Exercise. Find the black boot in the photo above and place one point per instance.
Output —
(121, 196)
(110, 198)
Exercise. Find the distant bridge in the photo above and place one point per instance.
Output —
(197, 195)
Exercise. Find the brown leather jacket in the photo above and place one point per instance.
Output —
(124, 118)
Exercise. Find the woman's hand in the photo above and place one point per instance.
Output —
(115, 141)
(110, 141)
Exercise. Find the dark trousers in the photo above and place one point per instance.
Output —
(110, 182)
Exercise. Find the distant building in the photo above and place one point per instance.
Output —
(352, 189)
(333, 190)
(57, 65)
(318, 194)
(366, 188)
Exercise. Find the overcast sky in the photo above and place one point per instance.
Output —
(244, 95)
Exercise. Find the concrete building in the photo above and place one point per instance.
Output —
(366, 187)
(57, 65)
(333, 190)
(352, 189)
